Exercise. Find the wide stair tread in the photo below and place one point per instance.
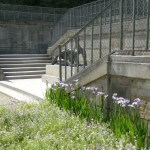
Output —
(24, 73)
(14, 69)
(24, 58)
(24, 62)
(23, 77)
(22, 55)
(24, 66)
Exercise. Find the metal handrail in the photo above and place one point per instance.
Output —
(111, 30)
(74, 36)
(74, 19)
(87, 24)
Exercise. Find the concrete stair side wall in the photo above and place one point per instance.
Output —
(129, 76)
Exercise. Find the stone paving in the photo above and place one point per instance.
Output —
(8, 101)
(28, 90)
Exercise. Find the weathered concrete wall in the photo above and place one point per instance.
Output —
(140, 38)
(129, 76)
(24, 37)
(132, 88)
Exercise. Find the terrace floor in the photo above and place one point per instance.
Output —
(27, 87)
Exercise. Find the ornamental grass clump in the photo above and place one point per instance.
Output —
(125, 118)
(122, 116)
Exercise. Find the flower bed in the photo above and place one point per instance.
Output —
(45, 127)
(122, 116)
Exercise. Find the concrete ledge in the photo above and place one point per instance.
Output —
(49, 79)
(130, 66)
(129, 58)
(91, 73)
(53, 72)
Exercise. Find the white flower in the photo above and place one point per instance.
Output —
(100, 93)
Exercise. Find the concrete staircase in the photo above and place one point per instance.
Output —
(23, 66)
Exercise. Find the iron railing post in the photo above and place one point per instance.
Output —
(71, 57)
(60, 65)
(147, 36)
(100, 38)
(77, 54)
(84, 49)
(133, 30)
(92, 44)
(121, 25)
(110, 28)
(65, 63)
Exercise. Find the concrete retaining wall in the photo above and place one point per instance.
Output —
(129, 76)
(24, 37)
(140, 38)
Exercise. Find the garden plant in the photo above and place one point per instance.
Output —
(121, 115)
(47, 127)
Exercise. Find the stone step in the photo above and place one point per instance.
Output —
(22, 55)
(24, 62)
(23, 69)
(24, 73)
(23, 65)
(24, 58)
(22, 77)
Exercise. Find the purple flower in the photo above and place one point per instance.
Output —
(122, 101)
(127, 101)
(94, 88)
(137, 100)
(136, 103)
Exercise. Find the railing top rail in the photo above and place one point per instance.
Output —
(83, 28)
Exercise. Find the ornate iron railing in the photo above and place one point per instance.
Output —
(114, 28)
(77, 17)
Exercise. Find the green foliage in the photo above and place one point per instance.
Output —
(122, 120)
(45, 126)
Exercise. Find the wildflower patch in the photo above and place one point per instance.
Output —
(122, 116)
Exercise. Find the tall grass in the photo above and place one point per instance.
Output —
(123, 116)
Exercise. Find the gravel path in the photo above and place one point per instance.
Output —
(9, 102)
